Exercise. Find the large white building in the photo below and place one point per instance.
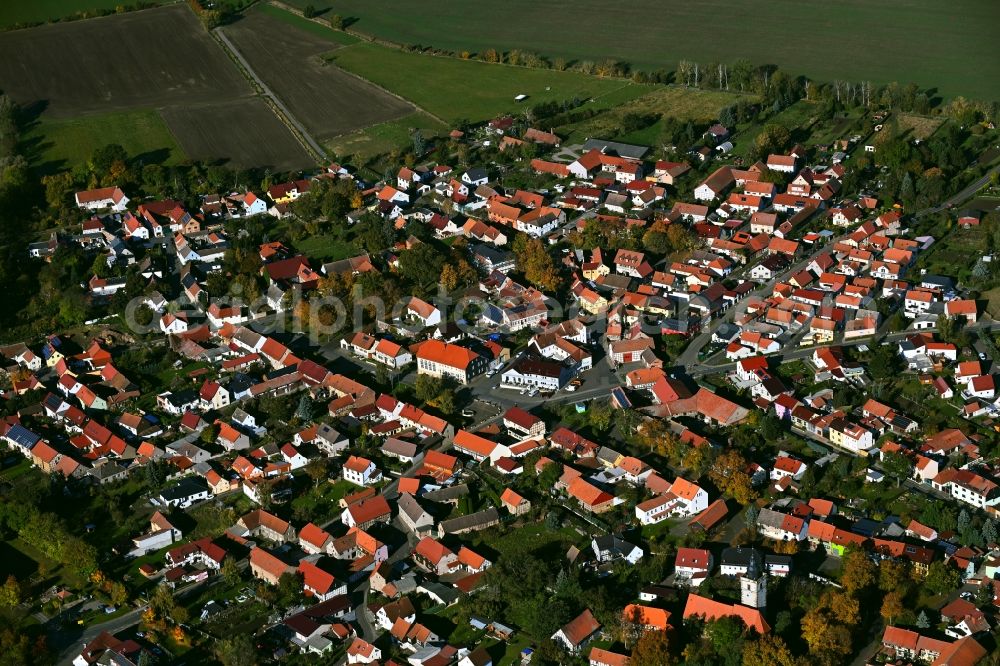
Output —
(683, 499)
(440, 359)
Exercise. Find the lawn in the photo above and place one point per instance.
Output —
(26, 12)
(453, 89)
(798, 118)
(921, 127)
(59, 144)
(383, 138)
(325, 247)
(947, 46)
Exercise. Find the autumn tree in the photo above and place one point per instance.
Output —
(892, 575)
(892, 606)
(535, 262)
(768, 650)
(858, 571)
(652, 649)
(729, 473)
(449, 277)
(829, 642)
(773, 138)
(844, 608)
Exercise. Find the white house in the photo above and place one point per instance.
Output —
(781, 526)
(788, 466)
(105, 197)
(361, 471)
(253, 205)
(683, 499)
(422, 311)
(692, 566)
(363, 652)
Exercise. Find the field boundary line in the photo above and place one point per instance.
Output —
(297, 129)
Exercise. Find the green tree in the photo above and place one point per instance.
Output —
(238, 650)
(10, 593)
(898, 466)
(118, 594)
(289, 589)
(209, 433)
(446, 402)
(941, 578)
(309, 11)
(337, 22)
(231, 571)
(884, 363)
(427, 387)
(922, 621)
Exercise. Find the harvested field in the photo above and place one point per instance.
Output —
(327, 100)
(144, 59)
(245, 132)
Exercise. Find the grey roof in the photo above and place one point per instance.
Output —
(472, 521)
(770, 518)
(186, 488)
(607, 455)
(613, 544)
(447, 493)
(106, 471)
(739, 557)
(328, 433)
(400, 447)
(411, 507)
(623, 149)
(447, 595)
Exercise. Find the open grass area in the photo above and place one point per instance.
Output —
(314, 27)
(332, 246)
(451, 88)
(920, 127)
(956, 253)
(664, 101)
(22, 12)
(935, 44)
(384, 137)
(53, 144)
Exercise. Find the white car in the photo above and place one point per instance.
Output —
(533, 392)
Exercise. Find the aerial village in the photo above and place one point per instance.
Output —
(697, 410)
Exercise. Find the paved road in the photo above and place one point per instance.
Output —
(71, 646)
(311, 143)
(962, 196)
